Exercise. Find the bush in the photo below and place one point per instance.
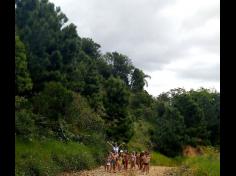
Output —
(33, 159)
(24, 123)
(24, 118)
(74, 162)
(50, 157)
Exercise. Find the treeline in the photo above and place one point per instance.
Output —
(186, 118)
(67, 90)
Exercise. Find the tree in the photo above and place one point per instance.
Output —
(53, 102)
(83, 117)
(121, 66)
(168, 137)
(55, 60)
(92, 81)
(140, 105)
(193, 118)
(103, 68)
(39, 25)
(91, 48)
(138, 80)
(116, 101)
(93, 87)
(209, 102)
(70, 45)
(23, 81)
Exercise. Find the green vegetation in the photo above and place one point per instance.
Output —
(48, 157)
(207, 164)
(70, 98)
(204, 165)
(183, 120)
(140, 141)
(159, 159)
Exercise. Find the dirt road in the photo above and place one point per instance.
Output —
(154, 171)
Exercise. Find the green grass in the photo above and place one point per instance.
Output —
(162, 160)
(49, 157)
(204, 165)
(207, 164)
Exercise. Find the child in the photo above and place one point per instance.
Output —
(132, 160)
(137, 159)
(126, 160)
(119, 162)
(141, 158)
(113, 162)
(123, 159)
(108, 162)
(146, 162)
(116, 159)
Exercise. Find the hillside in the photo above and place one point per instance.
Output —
(70, 99)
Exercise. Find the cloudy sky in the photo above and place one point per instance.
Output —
(176, 42)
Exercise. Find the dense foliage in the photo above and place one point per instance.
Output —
(67, 90)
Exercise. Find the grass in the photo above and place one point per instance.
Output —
(207, 164)
(161, 160)
(204, 165)
(49, 157)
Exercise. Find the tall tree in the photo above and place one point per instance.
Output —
(169, 134)
(193, 118)
(138, 80)
(116, 101)
(39, 26)
(121, 66)
(70, 45)
(91, 48)
(209, 102)
(22, 77)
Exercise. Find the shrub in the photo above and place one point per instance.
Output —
(49, 157)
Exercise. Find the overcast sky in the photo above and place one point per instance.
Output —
(176, 42)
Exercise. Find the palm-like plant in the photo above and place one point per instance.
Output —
(145, 81)
(138, 80)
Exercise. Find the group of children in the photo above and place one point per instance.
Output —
(117, 160)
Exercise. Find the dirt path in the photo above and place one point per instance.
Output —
(154, 171)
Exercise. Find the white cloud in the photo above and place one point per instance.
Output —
(177, 42)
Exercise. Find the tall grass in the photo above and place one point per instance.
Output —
(49, 157)
(158, 159)
(207, 164)
(204, 165)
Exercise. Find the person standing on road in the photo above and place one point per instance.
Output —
(115, 148)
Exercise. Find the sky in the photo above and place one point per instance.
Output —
(176, 42)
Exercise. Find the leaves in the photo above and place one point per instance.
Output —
(22, 77)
